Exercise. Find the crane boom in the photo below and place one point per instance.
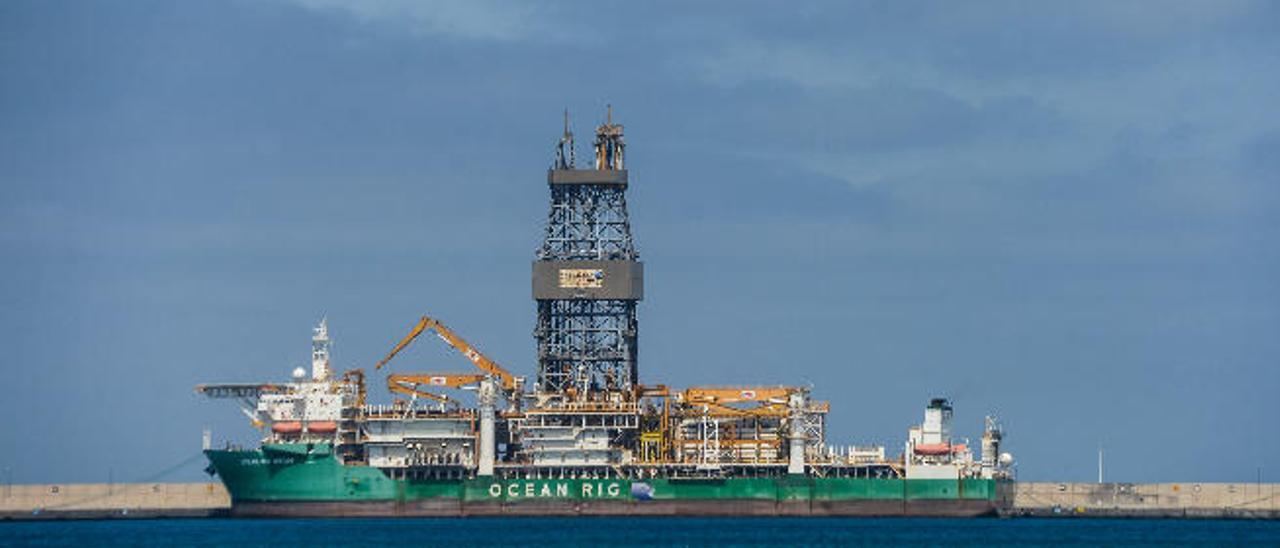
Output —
(738, 394)
(413, 390)
(507, 380)
(413, 334)
(409, 384)
(446, 380)
(762, 410)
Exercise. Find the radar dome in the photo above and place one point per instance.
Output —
(1006, 459)
(299, 374)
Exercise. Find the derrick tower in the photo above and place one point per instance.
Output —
(587, 278)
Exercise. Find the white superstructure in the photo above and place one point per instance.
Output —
(320, 349)
(931, 453)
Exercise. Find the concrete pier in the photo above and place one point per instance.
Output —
(120, 500)
(1155, 500)
(1165, 500)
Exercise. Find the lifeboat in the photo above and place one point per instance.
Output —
(322, 427)
(294, 427)
(938, 448)
(289, 427)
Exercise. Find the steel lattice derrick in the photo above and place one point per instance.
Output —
(587, 279)
(588, 222)
(586, 345)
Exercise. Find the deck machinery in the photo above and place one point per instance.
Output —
(585, 418)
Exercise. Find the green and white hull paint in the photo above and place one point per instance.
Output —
(307, 480)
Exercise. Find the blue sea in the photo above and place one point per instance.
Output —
(512, 532)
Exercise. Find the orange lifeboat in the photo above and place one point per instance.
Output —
(294, 427)
(290, 427)
(322, 427)
(939, 448)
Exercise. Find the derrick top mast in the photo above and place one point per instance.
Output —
(566, 156)
(609, 144)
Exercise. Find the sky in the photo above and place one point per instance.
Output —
(1054, 212)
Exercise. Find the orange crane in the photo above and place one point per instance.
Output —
(506, 380)
(408, 384)
(739, 394)
(771, 400)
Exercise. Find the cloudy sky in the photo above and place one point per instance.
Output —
(1065, 214)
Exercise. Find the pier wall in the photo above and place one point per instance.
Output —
(1170, 500)
(120, 500)
(1202, 500)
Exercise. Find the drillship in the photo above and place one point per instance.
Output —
(586, 437)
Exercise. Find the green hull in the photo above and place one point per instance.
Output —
(285, 476)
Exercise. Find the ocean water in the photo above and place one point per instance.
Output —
(513, 532)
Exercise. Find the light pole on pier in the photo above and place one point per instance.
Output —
(1099, 464)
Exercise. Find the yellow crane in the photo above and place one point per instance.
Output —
(739, 394)
(409, 384)
(769, 400)
(505, 379)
